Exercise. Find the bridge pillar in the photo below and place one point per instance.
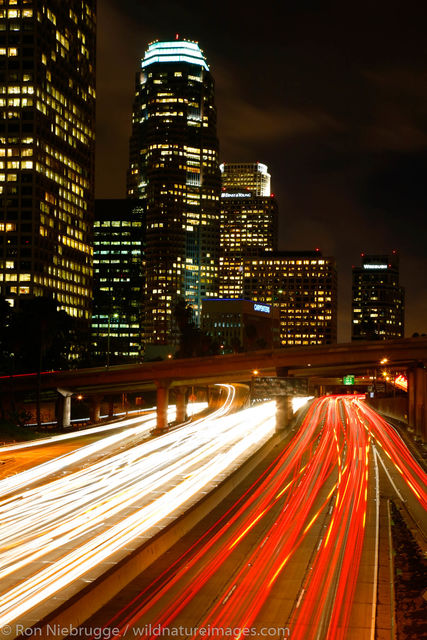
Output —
(162, 403)
(417, 400)
(284, 412)
(181, 404)
(411, 397)
(214, 395)
(95, 408)
(64, 417)
(111, 407)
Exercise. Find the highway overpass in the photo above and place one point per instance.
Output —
(409, 354)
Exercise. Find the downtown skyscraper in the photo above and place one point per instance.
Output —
(248, 229)
(174, 168)
(378, 301)
(47, 142)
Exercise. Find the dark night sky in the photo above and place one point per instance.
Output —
(332, 96)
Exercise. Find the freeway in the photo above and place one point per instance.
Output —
(294, 553)
(61, 526)
(20, 456)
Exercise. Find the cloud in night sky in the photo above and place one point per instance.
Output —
(332, 96)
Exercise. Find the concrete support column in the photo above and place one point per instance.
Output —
(214, 395)
(181, 404)
(162, 403)
(417, 400)
(66, 411)
(64, 417)
(420, 403)
(95, 408)
(411, 397)
(284, 412)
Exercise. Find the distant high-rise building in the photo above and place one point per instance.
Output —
(303, 285)
(119, 269)
(47, 143)
(174, 168)
(252, 176)
(248, 229)
(378, 299)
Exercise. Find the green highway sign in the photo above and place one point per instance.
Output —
(349, 379)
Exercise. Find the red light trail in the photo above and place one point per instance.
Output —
(321, 476)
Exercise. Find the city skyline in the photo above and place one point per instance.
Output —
(346, 157)
(188, 448)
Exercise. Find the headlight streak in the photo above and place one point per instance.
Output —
(42, 471)
(190, 456)
(119, 424)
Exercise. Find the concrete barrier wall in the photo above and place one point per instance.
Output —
(394, 407)
(83, 605)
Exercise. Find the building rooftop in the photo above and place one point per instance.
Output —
(174, 51)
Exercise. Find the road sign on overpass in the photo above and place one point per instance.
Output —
(272, 387)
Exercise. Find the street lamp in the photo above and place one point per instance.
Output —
(114, 315)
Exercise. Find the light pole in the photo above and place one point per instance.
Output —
(114, 315)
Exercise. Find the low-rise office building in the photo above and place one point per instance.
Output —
(240, 325)
(303, 286)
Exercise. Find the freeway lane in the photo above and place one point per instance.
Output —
(54, 535)
(15, 458)
(287, 553)
(62, 453)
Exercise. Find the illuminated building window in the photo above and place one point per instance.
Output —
(63, 154)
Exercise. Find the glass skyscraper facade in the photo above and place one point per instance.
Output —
(378, 303)
(47, 140)
(174, 169)
(119, 271)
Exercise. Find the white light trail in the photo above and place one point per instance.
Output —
(75, 434)
(75, 522)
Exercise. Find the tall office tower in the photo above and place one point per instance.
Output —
(304, 287)
(174, 168)
(248, 229)
(252, 176)
(119, 269)
(47, 143)
(378, 303)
